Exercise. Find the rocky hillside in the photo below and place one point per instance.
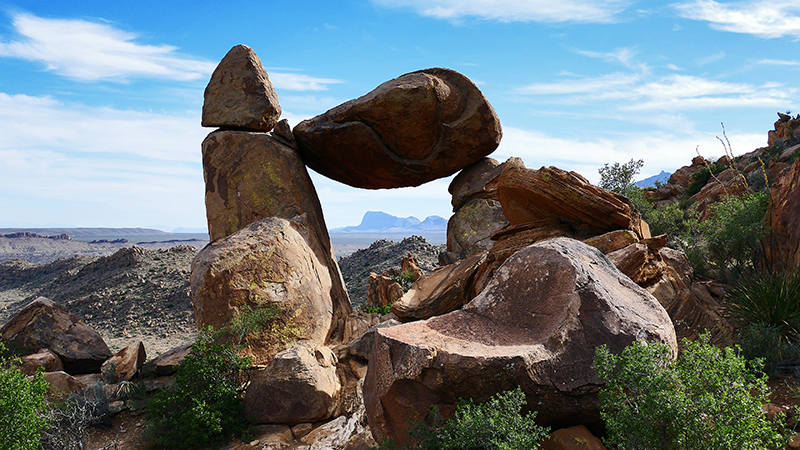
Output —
(382, 255)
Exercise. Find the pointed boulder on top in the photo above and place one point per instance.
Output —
(240, 94)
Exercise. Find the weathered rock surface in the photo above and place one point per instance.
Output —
(783, 219)
(416, 128)
(267, 264)
(613, 240)
(440, 292)
(165, 363)
(62, 384)
(383, 290)
(476, 181)
(45, 324)
(252, 176)
(299, 385)
(124, 364)
(536, 325)
(361, 346)
(45, 359)
(550, 193)
(572, 438)
(470, 228)
(240, 94)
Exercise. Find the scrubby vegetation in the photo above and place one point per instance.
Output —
(21, 401)
(707, 398)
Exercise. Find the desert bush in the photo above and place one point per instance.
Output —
(69, 419)
(702, 176)
(771, 299)
(707, 398)
(378, 309)
(619, 177)
(21, 399)
(763, 340)
(495, 425)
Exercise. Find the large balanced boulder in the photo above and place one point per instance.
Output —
(299, 385)
(240, 94)
(252, 176)
(529, 195)
(783, 220)
(536, 325)
(43, 324)
(268, 264)
(410, 130)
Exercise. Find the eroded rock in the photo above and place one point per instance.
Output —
(124, 365)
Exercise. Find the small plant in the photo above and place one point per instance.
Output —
(68, 420)
(495, 425)
(21, 399)
(405, 280)
(708, 398)
(378, 309)
(762, 340)
(619, 177)
(771, 300)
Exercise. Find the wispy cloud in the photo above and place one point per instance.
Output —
(300, 82)
(622, 55)
(586, 11)
(719, 56)
(672, 92)
(778, 62)
(96, 51)
(765, 19)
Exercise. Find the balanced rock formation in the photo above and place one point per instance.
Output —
(299, 385)
(470, 228)
(240, 94)
(536, 325)
(269, 263)
(43, 324)
(252, 176)
(476, 181)
(783, 220)
(416, 128)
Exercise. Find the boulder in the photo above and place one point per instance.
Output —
(45, 324)
(470, 228)
(62, 384)
(612, 241)
(639, 263)
(416, 128)
(536, 325)
(240, 94)
(124, 365)
(299, 385)
(252, 176)
(572, 438)
(382, 290)
(476, 181)
(528, 195)
(165, 363)
(362, 345)
(45, 359)
(269, 263)
(783, 220)
(440, 292)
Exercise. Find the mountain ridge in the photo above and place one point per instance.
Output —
(379, 221)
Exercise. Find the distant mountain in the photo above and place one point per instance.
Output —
(86, 232)
(651, 181)
(378, 221)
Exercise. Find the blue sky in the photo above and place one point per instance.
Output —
(100, 101)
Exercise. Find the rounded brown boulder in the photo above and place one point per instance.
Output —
(410, 130)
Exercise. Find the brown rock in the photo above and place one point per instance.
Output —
(572, 438)
(240, 94)
(470, 229)
(45, 359)
(267, 264)
(443, 290)
(410, 267)
(299, 385)
(45, 324)
(416, 128)
(783, 220)
(250, 177)
(536, 325)
(551, 193)
(362, 345)
(62, 384)
(476, 181)
(683, 176)
(166, 363)
(638, 262)
(612, 241)
(382, 290)
(124, 365)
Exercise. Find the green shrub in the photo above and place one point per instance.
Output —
(705, 399)
(405, 280)
(495, 425)
(619, 177)
(702, 176)
(378, 309)
(21, 399)
(764, 341)
(771, 299)
(69, 419)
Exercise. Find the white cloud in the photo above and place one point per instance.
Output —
(586, 11)
(778, 62)
(719, 56)
(300, 82)
(766, 19)
(674, 67)
(603, 83)
(93, 51)
(622, 55)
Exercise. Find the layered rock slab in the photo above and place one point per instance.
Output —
(270, 264)
(251, 176)
(410, 130)
(536, 325)
(783, 219)
(240, 94)
(44, 324)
